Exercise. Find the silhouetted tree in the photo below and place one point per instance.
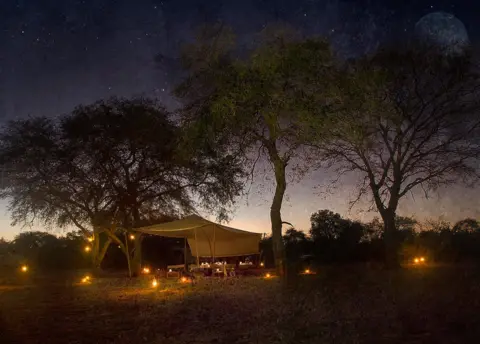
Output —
(266, 251)
(373, 230)
(296, 244)
(108, 166)
(255, 104)
(409, 120)
(335, 238)
(467, 226)
(326, 224)
(405, 228)
(46, 252)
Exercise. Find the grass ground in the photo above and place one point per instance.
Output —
(337, 305)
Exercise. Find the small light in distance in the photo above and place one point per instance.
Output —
(87, 248)
(307, 271)
(154, 283)
(422, 259)
(90, 239)
(268, 275)
(169, 270)
(416, 260)
(132, 237)
(261, 264)
(86, 279)
(183, 279)
(24, 268)
(146, 270)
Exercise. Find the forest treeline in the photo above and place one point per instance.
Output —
(331, 239)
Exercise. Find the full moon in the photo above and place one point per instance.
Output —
(442, 30)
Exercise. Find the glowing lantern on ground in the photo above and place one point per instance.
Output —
(183, 279)
(268, 275)
(88, 248)
(146, 270)
(307, 271)
(154, 283)
(419, 260)
(132, 237)
(24, 268)
(261, 264)
(86, 279)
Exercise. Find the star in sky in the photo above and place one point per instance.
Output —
(57, 54)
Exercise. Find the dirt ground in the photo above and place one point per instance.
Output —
(336, 305)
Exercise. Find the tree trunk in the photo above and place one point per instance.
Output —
(101, 254)
(123, 246)
(137, 249)
(127, 254)
(276, 217)
(185, 255)
(137, 255)
(390, 240)
(96, 250)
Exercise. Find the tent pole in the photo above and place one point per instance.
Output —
(185, 255)
(196, 248)
(213, 260)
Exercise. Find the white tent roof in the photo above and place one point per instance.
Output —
(208, 239)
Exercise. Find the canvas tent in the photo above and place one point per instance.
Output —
(208, 239)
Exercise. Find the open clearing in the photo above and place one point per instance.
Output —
(337, 305)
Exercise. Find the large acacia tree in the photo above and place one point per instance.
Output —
(407, 120)
(253, 101)
(109, 167)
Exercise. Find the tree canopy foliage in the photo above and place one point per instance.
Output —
(406, 120)
(255, 103)
(45, 252)
(403, 120)
(110, 166)
(352, 242)
(333, 239)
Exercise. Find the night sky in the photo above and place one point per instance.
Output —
(56, 54)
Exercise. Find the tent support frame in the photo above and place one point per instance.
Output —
(196, 249)
(185, 255)
(213, 254)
